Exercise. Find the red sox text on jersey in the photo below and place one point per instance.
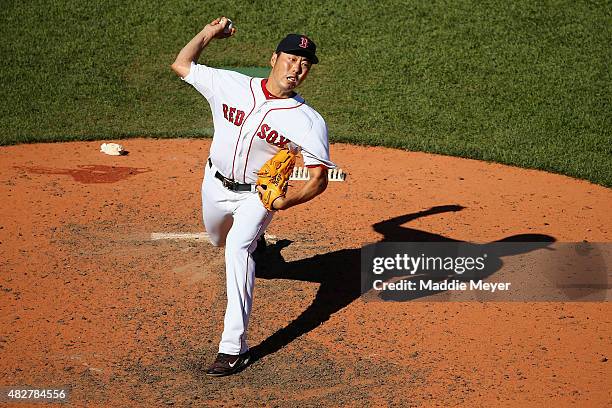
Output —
(250, 125)
(236, 117)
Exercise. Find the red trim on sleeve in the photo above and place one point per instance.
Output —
(311, 166)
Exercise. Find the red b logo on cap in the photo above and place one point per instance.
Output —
(304, 42)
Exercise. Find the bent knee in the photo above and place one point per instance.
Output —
(232, 247)
(216, 242)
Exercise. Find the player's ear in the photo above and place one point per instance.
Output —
(273, 59)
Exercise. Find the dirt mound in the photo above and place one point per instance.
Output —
(91, 302)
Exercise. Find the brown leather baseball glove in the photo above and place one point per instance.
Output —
(274, 177)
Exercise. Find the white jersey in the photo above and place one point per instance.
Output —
(251, 125)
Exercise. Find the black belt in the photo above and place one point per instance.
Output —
(229, 183)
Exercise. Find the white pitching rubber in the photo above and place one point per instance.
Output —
(301, 174)
(193, 236)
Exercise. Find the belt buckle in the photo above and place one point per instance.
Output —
(229, 184)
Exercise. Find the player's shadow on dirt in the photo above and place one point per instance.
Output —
(338, 273)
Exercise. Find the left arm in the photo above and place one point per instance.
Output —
(313, 187)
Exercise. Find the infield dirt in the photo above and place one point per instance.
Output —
(90, 302)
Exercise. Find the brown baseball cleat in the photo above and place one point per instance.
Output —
(227, 364)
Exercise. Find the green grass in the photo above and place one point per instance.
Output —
(520, 82)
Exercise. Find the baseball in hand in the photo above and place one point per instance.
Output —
(228, 26)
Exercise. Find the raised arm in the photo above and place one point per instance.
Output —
(191, 52)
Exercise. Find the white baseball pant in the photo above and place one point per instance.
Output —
(236, 220)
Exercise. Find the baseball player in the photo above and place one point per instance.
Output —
(253, 119)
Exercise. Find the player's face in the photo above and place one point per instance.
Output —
(288, 70)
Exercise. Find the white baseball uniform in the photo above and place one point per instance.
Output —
(250, 127)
